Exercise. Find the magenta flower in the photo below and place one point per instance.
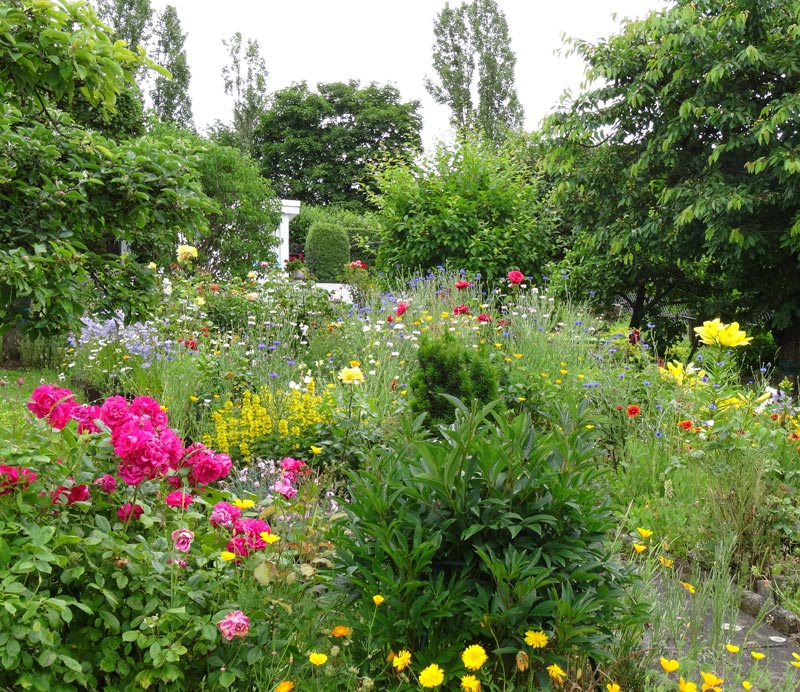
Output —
(114, 412)
(178, 499)
(127, 511)
(53, 403)
(234, 624)
(106, 483)
(183, 540)
(15, 478)
(224, 514)
(285, 488)
(86, 417)
(515, 277)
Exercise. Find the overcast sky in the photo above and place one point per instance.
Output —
(385, 41)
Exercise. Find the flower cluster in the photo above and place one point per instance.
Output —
(292, 470)
(15, 478)
(716, 333)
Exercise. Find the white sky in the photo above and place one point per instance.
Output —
(386, 41)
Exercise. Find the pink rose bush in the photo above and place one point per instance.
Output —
(234, 624)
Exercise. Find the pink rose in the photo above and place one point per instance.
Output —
(86, 417)
(234, 624)
(78, 493)
(183, 540)
(224, 514)
(127, 511)
(238, 546)
(145, 407)
(252, 530)
(283, 487)
(15, 478)
(172, 446)
(107, 483)
(516, 277)
(46, 397)
(131, 472)
(178, 499)
(114, 411)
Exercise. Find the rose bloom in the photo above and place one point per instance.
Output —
(86, 417)
(516, 277)
(183, 540)
(15, 478)
(234, 624)
(127, 512)
(107, 483)
(114, 411)
(224, 514)
(178, 499)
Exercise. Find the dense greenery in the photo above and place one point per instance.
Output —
(327, 250)
(320, 146)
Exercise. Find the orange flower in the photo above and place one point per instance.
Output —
(285, 686)
(633, 410)
(341, 631)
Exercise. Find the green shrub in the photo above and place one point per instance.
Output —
(446, 366)
(362, 229)
(477, 537)
(327, 251)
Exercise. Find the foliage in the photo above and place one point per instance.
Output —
(327, 251)
(474, 537)
(320, 146)
(131, 20)
(247, 84)
(170, 94)
(363, 229)
(700, 96)
(475, 35)
(471, 205)
(447, 367)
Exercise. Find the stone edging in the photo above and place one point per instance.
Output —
(762, 600)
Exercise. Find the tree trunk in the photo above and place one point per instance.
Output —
(788, 342)
(637, 307)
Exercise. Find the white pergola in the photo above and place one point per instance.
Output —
(289, 209)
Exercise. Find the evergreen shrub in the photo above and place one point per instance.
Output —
(327, 251)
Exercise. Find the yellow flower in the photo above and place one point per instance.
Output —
(686, 585)
(285, 686)
(432, 676)
(669, 665)
(715, 333)
(796, 662)
(186, 253)
(757, 655)
(377, 599)
(536, 639)
(684, 686)
(251, 275)
(227, 555)
(342, 631)
(402, 660)
(613, 687)
(315, 449)
(644, 533)
(474, 657)
(269, 538)
(555, 673)
(732, 648)
(317, 659)
(200, 301)
(710, 681)
(638, 547)
(355, 363)
(469, 683)
(664, 561)
(351, 375)
(243, 504)
(152, 265)
(747, 684)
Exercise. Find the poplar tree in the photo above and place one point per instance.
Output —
(474, 62)
(170, 96)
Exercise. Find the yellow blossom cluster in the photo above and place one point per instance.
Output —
(716, 333)
(238, 427)
(688, 375)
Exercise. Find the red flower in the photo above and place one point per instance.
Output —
(357, 264)
(635, 336)
(483, 318)
(633, 410)
(516, 277)
(463, 284)
(686, 424)
(461, 310)
(400, 309)
(389, 318)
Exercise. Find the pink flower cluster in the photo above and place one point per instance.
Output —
(69, 494)
(54, 404)
(15, 478)
(234, 624)
(292, 471)
(245, 531)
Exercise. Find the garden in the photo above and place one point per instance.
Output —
(452, 485)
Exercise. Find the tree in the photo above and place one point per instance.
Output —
(68, 194)
(131, 20)
(246, 81)
(475, 36)
(321, 147)
(704, 94)
(170, 95)
(476, 206)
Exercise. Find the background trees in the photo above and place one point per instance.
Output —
(320, 146)
(170, 94)
(474, 36)
(704, 97)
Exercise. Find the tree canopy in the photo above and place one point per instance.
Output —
(321, 146)
(469, 38)
(698, 107)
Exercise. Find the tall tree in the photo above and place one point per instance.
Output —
(170, 95)
(473, 37)
(320, 147)
(131, 20)
(704, 96)
(245, 80)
